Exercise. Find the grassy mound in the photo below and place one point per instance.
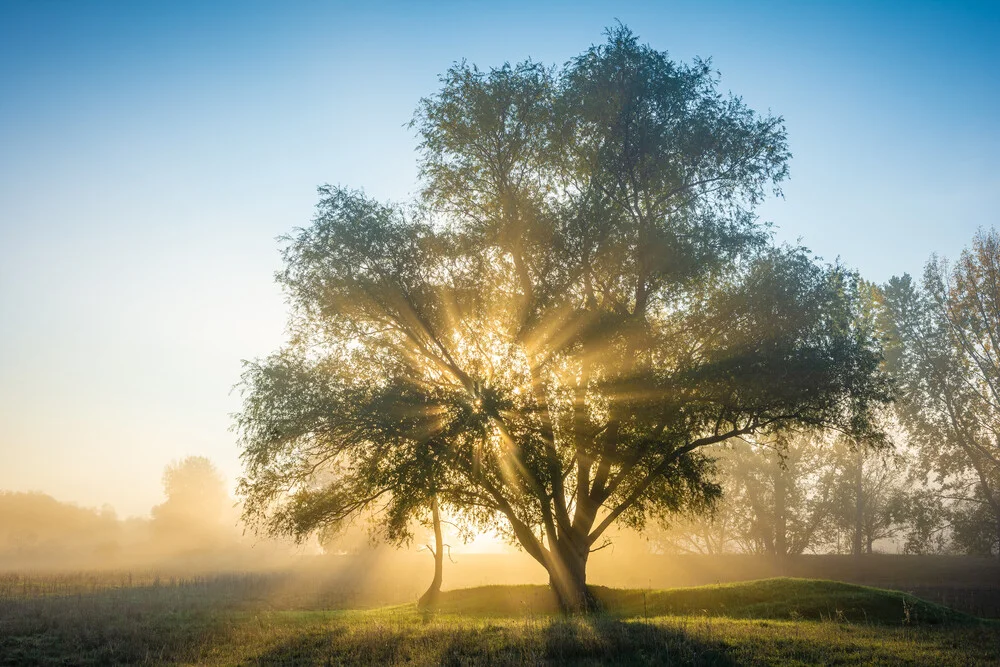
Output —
(780, 599)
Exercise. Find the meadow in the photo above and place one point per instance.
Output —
(285, 618)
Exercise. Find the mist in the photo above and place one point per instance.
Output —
(197, 532)
(197, 528)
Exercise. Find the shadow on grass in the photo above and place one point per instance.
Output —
(597, 640)
(168, 620)
(100, 637)
(605, 639)
(148, 623)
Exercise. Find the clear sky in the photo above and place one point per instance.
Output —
(150, 153)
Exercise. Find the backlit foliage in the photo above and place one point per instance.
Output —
(580, 300)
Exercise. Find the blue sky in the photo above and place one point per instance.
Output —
(150, 153)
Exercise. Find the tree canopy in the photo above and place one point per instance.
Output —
(579, 301)
(945, 353)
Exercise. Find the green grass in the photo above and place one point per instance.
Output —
(780, 598)
(774, 621)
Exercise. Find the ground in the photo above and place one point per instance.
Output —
(224, 620)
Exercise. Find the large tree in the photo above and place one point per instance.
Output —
(580, 302)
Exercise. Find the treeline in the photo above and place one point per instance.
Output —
(810, 494)
(936, 491)
(197, 525)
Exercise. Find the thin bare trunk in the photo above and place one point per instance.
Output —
(429, 599)
(859, 499)
(780, 513)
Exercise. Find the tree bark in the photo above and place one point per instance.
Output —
(568, 574)
(998, 534)
(780, 514)
(859, 498)
(429, 599)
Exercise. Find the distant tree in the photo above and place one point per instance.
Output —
(707, 531)
(36, 530)
(580, 303)
(973, 523)
(776, 494)
(927, 528)
(946, 356)
(869, 500)
(801, 493)
(769, 503)
(198, 511)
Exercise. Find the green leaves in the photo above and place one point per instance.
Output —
(943, 351)
(580, 299)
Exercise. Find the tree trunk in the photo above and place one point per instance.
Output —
(780, 514)
(993, 500)
(429, 599)
(998, 534)
(568, 575)
(859, 499)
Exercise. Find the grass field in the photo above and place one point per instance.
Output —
(255, 619)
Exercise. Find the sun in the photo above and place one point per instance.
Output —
(485, 542)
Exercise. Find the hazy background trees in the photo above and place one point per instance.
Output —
(39, 531)
(810, 493)
(945, 335)
(938, 491)
(199, 516)
(775, 500)
(197, 525)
